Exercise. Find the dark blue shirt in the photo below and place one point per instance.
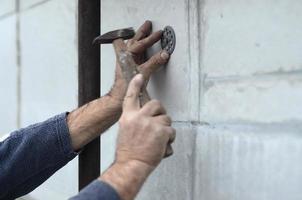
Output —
(31, 155)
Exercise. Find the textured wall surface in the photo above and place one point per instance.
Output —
(233, 87)
(8, 74)
(38, 73)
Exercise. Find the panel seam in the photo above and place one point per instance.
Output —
(18, 58)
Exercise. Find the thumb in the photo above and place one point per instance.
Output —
(131, 101)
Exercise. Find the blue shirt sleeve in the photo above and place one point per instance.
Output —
(31, 155)
(97, 190)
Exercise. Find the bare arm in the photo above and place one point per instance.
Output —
(142, 142)
(89, 121)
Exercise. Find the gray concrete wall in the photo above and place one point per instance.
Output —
(233, 87)
(38, 73)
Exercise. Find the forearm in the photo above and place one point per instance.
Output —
(127, 178)
(89, 121)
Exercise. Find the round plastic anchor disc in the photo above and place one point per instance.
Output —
(168, 40)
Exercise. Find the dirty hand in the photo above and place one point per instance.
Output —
(144, 132)
(137, 46)
(142, 142)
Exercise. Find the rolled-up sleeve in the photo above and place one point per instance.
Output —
(97, 190)
(31, 155)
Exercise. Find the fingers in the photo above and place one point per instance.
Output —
(142, 45)
(153, 108)
(143, 31)
(119, 45)
(131, 101)
(171, 134)
(169, 151)
(164, 120)
(154, 63)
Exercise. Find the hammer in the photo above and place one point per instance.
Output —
(128, 66)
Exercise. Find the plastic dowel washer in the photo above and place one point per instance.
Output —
(168, 40)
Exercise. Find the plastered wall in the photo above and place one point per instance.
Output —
(233, 88)
(38, 73)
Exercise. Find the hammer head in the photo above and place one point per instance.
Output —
(107, 38)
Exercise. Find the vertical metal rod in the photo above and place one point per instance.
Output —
(89, 81)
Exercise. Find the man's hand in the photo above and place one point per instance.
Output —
(137, 46)
(144, 132)
(142, 141)
(92, 119)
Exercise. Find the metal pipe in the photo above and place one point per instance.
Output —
(89, 81)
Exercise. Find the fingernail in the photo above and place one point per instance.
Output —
(164, 54)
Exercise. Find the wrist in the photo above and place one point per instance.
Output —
(127, 177)
(116, 98)
(118, 92)
(90, 120)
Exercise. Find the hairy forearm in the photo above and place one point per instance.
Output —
(127, 178)
(89, 121)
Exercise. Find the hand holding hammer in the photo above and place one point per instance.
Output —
(131, 59)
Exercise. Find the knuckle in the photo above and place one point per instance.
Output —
(128, 119)
(129, 95)
(156, 103)
(156, 60)
(168, 119)
(141, 43)
(169, 130)
(172, 132)
(130, 43)
(152, 104)
(144, 31)
(145, 71)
